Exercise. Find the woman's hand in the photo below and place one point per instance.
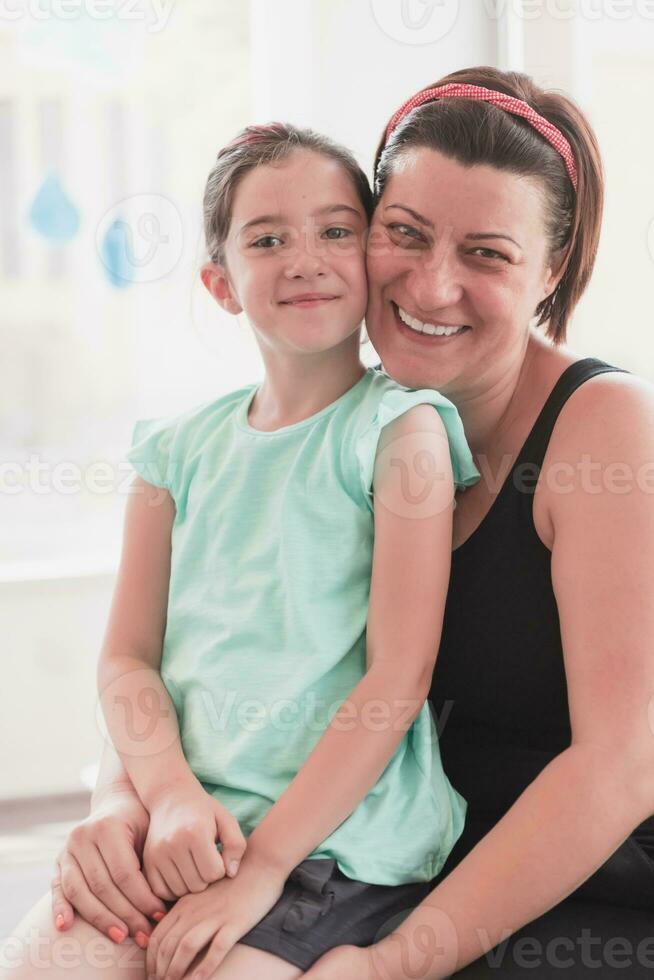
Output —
(217, 917)
(99, 874)
(180, 854)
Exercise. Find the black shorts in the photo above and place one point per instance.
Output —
(321, 907)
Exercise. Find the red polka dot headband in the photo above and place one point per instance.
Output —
(515, 106)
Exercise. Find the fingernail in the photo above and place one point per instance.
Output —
(59, 921)
(158, 916)
(233, 868)
(117, 934)
(142, 939)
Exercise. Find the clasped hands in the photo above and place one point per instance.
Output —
(218, 897)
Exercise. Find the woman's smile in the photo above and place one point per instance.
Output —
(426, 331)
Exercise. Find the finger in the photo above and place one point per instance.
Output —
(209, 862)
(172, 878)
(157, 883)
(233, 841)
(220, 946)
(102, 885)
(157, 937)
(176, 931)
(190, 945)
(189, 872)
(63, 912)
(77, 892)
(124, 867)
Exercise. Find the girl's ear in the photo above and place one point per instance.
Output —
(215, 279)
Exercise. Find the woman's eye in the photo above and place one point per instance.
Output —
(335, 233)
(408, 231)
(492, 253)
(266, 241)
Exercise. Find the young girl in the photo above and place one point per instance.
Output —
(292, 627)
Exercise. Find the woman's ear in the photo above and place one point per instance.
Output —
(553, 272)
(216, 280)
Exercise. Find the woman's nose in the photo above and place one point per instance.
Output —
(435, 284)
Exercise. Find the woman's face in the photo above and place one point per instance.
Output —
(455, 247)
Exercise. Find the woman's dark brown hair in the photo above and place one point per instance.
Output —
(475, 132)
(253, 147)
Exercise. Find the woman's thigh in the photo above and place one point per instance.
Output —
(36, 948)
(574, 939)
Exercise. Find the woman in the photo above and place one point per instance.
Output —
(543, 684)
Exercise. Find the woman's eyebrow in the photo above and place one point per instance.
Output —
(414, 214)
(477, 235)
(473, 236)
(271, 219)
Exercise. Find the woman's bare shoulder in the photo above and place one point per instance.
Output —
(613, 405)
(604, 405)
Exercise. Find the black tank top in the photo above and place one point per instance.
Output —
(499, 692)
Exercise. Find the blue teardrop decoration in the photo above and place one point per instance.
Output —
(52, 214)
(115, 258)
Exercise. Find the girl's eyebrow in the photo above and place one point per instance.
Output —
(271, 219)
(473, 236)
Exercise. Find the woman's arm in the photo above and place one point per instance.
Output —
(410, 573)
(111, 775)
(585, 803)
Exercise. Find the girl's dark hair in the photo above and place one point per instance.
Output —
(269, 144)
(475, 132)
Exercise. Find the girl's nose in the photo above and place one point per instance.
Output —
(305, 262)
(435, 284)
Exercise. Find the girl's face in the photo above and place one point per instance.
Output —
(295, 254)
(459, 247)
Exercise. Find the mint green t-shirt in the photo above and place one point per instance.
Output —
(265, 637)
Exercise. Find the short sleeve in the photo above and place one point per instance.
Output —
(393, 404)
(151, 451)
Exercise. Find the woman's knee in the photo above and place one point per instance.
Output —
(36, 948)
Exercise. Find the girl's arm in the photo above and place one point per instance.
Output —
(180, 853)
(588, 800)
(139, 713)
(410, 574)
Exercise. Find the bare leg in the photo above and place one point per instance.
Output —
(36, 949)
(248, 963)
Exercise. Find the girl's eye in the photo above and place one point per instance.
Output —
(266, 241)
(491, 252)
(338, 233)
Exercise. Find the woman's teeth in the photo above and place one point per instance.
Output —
(433, 329)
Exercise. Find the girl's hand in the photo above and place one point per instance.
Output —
(99, 872)
(219, 916)
(180, 854)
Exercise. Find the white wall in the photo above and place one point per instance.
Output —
(344, 66)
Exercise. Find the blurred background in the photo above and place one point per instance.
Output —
(111, 114)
